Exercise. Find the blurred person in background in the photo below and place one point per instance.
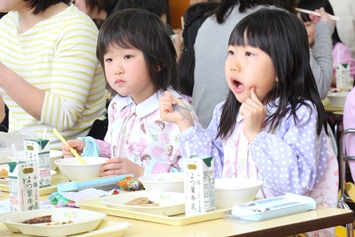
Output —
(51, 77)
(194, 16)
(346, 25)
(98, 10)
(340, 52)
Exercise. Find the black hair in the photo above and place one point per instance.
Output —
(194, 16)
(41, 5)
(157, 7)
(283, 37)
(316, 4)
(146, 32)
(226, 6)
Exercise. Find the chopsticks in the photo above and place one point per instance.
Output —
(55, 131)
(179, 108)
(336, 18)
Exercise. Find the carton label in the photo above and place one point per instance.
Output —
(199, 185)
(39, 150)
(23, 186)
(343, 78)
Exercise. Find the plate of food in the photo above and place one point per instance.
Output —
(53, 221)
(155, 202)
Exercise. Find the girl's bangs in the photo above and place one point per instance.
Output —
(251, 33)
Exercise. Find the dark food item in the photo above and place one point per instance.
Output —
(37, 220)
(141, 201)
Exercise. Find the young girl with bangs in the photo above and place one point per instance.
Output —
(139, 60)
(272, 125)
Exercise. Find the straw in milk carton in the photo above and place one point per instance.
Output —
(23, 186)
(39, 150)
(199, 185)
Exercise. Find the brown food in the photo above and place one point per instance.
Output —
(37, 220)
(4, 174)
(141, 201)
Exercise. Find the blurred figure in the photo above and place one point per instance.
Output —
(340, 52)
(51, 77)
(98, 10)
(158, 7)
(349, 122)
(346, 25)
(194, 16)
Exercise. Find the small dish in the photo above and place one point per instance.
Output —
(82, 221)
(170, 203)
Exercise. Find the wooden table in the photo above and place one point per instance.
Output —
(290, 225)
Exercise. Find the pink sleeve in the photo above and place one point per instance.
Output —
(349, 122)
(105, 148)
(342, 54)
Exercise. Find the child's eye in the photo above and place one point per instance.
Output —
(230, 52)
(248, 54)
(128, 56)
(107, 60)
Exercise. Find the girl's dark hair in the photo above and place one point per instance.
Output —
(283, 37)
(316, 4)
(101, 5)
(194, 16)
(227, 6)
(41, 5)
(146, 32)
(158, 7)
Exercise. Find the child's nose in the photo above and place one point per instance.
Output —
(118, 70)
(235, 66)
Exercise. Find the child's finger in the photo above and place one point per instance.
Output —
(253, 95)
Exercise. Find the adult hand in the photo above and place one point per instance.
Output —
(254, 113)
(78, 145)
(121, 166)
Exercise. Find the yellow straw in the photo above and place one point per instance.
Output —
(71, 149)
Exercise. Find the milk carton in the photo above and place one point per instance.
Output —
(39, 150)
(343, 79)
(23, 186)
(199, 185)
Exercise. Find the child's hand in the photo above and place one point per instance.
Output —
(78, 145)
(121, 166)
(181, 117)
(323, 17)
(254, 113)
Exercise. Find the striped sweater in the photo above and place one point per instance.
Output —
(57, 56)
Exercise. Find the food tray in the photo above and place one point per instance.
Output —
(105, 228)
(178, 220)
(56, 179)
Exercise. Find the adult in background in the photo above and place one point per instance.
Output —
(50, 76)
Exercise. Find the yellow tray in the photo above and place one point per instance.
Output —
(178, 220)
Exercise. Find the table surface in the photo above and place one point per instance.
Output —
(285, 226)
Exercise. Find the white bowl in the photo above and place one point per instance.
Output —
(82, 221)
(231, 191)
(54, 155)
(337, 98)
(169, 182)
(74, 170)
